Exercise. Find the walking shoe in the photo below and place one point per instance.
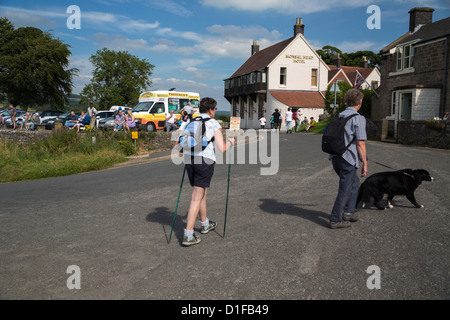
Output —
(352, 217)
(189, 241)
(340, 224)
(212, 225)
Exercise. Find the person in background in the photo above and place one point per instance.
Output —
(262, 122)
(289, 121)
(12, 112)
(171, 121)
(35, 120)
(313, 123)
(73, 119)
(92, 112)
(295, 117)
(129, 121)
(119, 120)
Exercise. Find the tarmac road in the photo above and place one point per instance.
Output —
(114, 225)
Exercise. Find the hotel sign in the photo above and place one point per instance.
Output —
(298, 58)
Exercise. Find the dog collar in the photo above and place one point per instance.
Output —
(409, 175)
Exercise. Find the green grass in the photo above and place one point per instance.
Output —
(62, 153)
(317, 129)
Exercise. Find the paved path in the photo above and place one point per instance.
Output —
(114, 225)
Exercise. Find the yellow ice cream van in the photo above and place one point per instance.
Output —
(150, 113)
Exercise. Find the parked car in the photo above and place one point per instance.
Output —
(103, 115)
(19, 117)
(106, 123)
(50, 122)
(48, 114)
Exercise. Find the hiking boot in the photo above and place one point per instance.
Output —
(189, 241)
(212, 225)
(340, 224)
(352, 217)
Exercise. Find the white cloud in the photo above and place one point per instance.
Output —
(286, 6)
(119, 42)
(95, 19)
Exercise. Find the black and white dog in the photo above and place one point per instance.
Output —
(402, 182)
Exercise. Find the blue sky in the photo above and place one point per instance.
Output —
(196, 44)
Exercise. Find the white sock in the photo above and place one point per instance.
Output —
(188, 233)
(205, 223)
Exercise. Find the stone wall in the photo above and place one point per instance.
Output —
(22, 136)
(430, 133)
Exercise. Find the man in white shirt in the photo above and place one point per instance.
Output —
(170, 121)
(92, 112)
(199, 166)
(289, 120)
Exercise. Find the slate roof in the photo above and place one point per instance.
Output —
(428, 32)
(261, 59)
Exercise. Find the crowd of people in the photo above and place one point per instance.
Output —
(292, 120)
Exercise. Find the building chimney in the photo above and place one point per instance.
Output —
(364, 64)
(299, 27)
(419, 16)
(255, 47)
(337, 60)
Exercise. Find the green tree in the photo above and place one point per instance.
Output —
(34, 67)
(118, 79)
(353, 59)
(329, 97)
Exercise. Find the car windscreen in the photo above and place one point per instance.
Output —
(143, 106)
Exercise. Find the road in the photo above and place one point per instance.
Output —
(114, 226)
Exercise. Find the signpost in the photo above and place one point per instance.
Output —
(134, 136)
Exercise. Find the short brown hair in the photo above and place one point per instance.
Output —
(353, 97)
(207, 104)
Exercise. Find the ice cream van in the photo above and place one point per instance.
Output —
(150, 113)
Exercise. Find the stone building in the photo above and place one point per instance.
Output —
(414, 72)
(287, 74)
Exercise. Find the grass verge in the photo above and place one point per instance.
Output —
(62, 153)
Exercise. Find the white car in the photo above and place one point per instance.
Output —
(103, 115)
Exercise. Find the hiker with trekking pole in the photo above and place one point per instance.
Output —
(197, 141)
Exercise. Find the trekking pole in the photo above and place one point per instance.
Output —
(228, 188)
(179, 193)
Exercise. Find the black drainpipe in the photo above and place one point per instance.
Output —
(444, 97)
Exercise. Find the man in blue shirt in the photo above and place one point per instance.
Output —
(346, 165)
(72, 120)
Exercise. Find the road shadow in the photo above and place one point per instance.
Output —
(164, 217)
(274, 206)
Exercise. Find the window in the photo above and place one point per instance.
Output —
(263, 79)
(250, 109)
(374, 85)
(242, 111)
(235, 108)
(283, 72)
(393, 103)
(405, 57)
(314, 78)
(174, 104)
(158, 108)
(408, 57)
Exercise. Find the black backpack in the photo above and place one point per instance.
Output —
(333, 139)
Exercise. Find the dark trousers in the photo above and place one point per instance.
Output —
(348, 188)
